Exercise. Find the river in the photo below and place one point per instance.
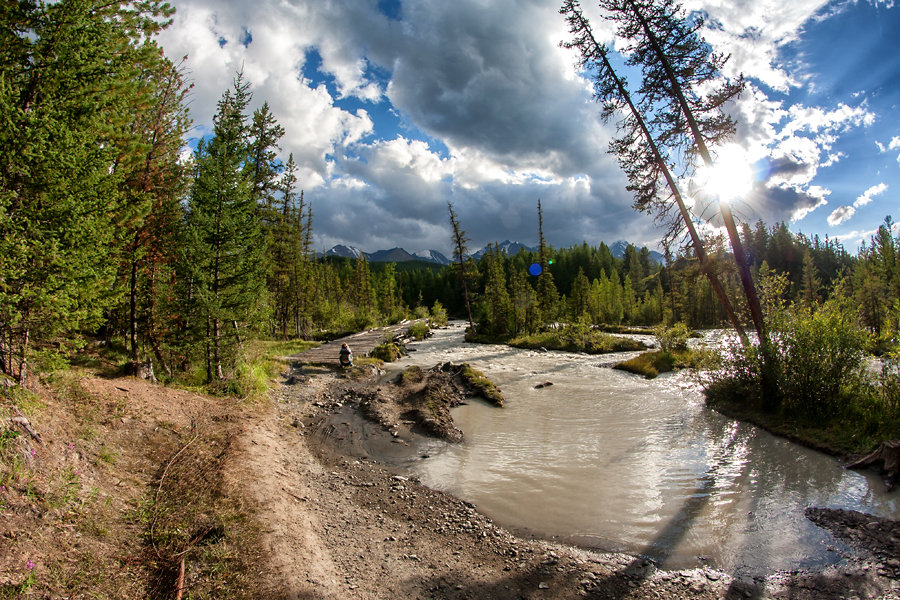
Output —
(609, 460)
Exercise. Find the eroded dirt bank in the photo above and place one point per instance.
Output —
(337, 524)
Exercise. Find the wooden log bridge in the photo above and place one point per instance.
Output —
(361, 344)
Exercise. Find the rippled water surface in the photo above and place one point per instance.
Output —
(610, 460)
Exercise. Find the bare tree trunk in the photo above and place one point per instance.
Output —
(23, 366)
(132, 325)
(217, 350)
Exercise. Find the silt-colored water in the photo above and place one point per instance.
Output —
(612, 461)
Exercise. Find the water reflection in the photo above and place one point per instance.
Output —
(606, 459)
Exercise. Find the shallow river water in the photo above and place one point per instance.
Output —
(609, 460)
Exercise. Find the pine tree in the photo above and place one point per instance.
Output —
(810, 282)
(640, 156)
(683, 92)
(154, 178)
(497, 318)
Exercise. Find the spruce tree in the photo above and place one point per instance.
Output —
(223, 246)
(547, 294)
(460, 256)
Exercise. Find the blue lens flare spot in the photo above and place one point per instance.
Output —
(535, 269)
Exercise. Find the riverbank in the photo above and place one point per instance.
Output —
(300, 508)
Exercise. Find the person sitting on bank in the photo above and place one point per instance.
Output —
(346, 355)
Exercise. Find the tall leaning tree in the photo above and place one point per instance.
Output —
(683, 94)
(650, 176)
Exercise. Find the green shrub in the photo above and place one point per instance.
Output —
(438, 317)
(672, 338)
(387, 351)
(418, 330)
(812, 383)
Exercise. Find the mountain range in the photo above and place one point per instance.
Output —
(397, 255)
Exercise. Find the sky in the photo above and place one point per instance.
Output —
(393, 108)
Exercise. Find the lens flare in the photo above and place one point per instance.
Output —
(730, 177)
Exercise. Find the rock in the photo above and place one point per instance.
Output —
(543, 385)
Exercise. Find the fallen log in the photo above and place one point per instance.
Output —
(888, 454)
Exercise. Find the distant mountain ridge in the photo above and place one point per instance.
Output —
(394, 255)
(397, 255)
(617, 249)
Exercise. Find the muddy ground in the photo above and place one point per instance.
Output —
(301, 508)
(366, 531)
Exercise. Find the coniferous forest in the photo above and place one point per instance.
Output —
(107, 232)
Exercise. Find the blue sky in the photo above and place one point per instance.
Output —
(393, 108)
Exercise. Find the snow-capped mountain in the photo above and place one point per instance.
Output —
(617, 249)
(394, 255)
(431, 256)
(345, 251)
(506, 247)
(398, 255)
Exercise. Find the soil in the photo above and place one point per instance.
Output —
(323, 519)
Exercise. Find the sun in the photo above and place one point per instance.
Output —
(730, 177)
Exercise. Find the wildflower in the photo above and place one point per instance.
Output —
(33, 453)
(29, 565)
(71, 446)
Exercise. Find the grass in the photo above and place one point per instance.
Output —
(482, 384)
(95, 539)
(413, 374)
(593, 342)
(651, 364)
(648, 364)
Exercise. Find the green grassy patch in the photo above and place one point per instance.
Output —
(648, 364)
(482, 384)
(592, 342)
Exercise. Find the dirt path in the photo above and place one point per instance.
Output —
(337, 526)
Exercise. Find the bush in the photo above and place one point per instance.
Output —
(812, 383)
(386, 351)
(672, 338)
(418, 330)
(438, 315)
